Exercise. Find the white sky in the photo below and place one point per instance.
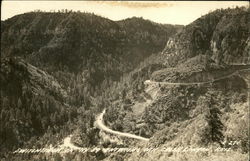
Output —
(168, 12)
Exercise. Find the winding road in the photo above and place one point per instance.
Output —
(100, 123)
(196, 83)
(99, 118)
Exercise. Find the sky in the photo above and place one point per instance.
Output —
(166, 12)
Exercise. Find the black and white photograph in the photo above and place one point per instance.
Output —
(124, 80)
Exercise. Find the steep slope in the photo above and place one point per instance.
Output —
(82, 48)
(14, 69)
(190, 113)
(223, 35)
(213, 45)
(55, 66)
(192, 91)
(31, 101)
(71, 40)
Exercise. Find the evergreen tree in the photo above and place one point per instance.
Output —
(213, 130)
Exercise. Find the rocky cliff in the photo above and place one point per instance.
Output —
(223, 35)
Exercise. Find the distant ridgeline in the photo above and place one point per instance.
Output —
(75, 41)
(59, 70)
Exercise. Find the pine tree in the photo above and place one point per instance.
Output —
(213, 130)
(215, 124)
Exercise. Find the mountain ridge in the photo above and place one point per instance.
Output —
(84, 63)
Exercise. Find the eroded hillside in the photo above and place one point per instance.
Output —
(201, 81)
(71, 66)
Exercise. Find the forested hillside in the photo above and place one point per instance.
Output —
(81, 49)
(78, 41)
(196, 115)
(177, 86)
(56, 66)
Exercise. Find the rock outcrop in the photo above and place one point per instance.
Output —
(223, 35)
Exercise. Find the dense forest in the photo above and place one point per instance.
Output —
(56, 66)
(198, 114)
(59, 70)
